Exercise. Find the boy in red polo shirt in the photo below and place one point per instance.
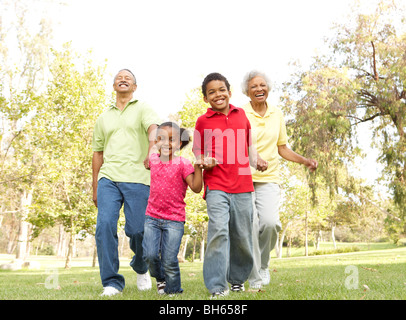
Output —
(223, 133)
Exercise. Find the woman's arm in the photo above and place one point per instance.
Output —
(290, 155)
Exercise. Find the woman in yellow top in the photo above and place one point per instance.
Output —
(269, 137)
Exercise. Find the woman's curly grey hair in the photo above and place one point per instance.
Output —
(251, 75)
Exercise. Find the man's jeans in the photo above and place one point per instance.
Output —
(110, 198)
(161, 244)
(228, 255)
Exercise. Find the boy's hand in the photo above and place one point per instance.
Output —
(206, 163)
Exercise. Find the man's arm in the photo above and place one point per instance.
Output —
(97, 162)
(151, 138)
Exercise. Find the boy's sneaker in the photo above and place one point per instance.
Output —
(110, 291)
(220, 294)
(237, 288)
(161, 287)
(144, 281)
(266, 278)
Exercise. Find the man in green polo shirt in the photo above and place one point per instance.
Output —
(122, 137)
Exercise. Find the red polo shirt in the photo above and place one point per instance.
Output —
(226, 138)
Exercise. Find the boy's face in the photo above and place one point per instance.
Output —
(218, 96)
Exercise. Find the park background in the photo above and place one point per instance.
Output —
(338, 70)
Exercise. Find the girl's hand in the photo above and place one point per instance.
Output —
(206, 163)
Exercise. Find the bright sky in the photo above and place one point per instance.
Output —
(172, 45)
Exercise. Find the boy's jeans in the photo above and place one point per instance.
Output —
(110, 198)
(161, 244)
(228, 255)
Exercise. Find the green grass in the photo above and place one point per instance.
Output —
(381, 276)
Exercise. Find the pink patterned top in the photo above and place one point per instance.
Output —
(168, 188)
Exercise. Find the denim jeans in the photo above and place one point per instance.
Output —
(161, 244)
(266, 226)
(110, 198)
(228, 256)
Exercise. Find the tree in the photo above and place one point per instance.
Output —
(373, 48)
(22, 75)
(196, 209)
(63, 126)
(361, 79)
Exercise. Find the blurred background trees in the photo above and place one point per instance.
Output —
(49, 100)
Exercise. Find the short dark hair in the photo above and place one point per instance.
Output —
(212, 77)
(183, 133)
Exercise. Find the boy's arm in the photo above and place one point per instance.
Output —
(151, 140)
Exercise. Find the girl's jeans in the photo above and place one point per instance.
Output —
(161, 244)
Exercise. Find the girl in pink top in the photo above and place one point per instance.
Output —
(165, 214)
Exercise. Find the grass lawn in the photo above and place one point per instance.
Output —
(362, 275)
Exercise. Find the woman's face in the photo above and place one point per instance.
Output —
(258, 90)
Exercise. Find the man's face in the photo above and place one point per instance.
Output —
(124, 82)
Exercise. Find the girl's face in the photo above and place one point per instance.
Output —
(168, 141)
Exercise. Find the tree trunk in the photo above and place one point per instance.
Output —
(26, 200)
(194, 248)
(185, 247)
(289, 247)
(306, 232)
(202, 250)
(277, 246)
(70, 246)
(59, 246)
(94, 256)
(318, 239)
(333, 236)
(282, 238)
(68, 263)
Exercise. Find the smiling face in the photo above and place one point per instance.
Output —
(218, 96)
(168, 142)
(124, 82)
(258, 90)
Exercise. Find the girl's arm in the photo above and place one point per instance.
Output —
(195, 180)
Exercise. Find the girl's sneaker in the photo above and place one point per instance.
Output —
(161, 287)
(143, 281)
(237, 288)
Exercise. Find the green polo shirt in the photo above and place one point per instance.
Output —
(123, 138)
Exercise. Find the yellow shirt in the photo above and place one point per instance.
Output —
(268, 132)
